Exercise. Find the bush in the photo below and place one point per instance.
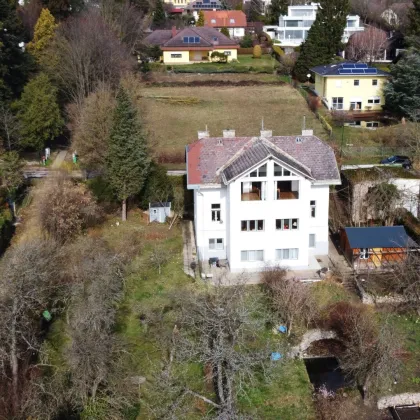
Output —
(246, 41)
(225, 31)
(257, 53)
(218, 57)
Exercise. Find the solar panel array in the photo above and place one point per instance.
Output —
(356, 68)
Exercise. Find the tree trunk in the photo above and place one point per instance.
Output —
(124, 210)
(14, 363)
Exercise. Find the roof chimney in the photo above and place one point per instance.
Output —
(173, 31)
(203, 134)
(266, 134)
(307, 132)
(228, 134)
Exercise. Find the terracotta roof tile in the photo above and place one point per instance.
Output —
(223, 18)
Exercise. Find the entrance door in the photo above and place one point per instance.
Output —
(198, 55)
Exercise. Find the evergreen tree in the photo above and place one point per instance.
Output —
(324, 37)
(414, 19)
(277, 8)
(43, 34)
(39, 113)
(15, 64)
(11, 172)
(200, 21)
(402, 93)
(255, 10)
(159, 16)
(127, 163)
(225, 31)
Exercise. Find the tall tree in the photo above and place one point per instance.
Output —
(127, 161)
(324, 37)
(11, 172)
(9, 126)
(255, 10)
(39, 113)
(225, 31)
(200, 21)
(43, 34)
(414, 19)
(15, 64)
(402, 93)
(159, 15)
(62, 9)
(277, 8)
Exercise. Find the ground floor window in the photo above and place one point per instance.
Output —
(176, 55)
(372, 124)
(227, 52)
(216, 243)
(338, 103)
(287, 254)
(364, 253)
(355, 105)
(257, 255)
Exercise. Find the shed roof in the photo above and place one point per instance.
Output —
(160, 204)
(379, 237)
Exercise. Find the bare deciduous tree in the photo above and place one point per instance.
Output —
(159, 257)
(367, 46)
(10, 126)
(384, 202)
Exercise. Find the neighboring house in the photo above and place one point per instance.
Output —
(158, 212)
(233, 20)
(294, 27)
(350, 86)
(191, 45)
(263, 200)
(357, 182)
(367, 248)
(195, 6)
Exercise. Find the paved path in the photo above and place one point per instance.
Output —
(59, 159)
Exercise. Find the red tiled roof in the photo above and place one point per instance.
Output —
(222, 18)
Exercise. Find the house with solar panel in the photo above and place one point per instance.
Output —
(350, 86)
(261, 201)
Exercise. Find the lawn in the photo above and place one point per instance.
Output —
(173, 115)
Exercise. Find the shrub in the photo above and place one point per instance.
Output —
(246, 41)
(225, 31)
(278, 52)
(257, 53)
(218, 57)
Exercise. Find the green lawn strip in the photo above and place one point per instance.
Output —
(328, 292)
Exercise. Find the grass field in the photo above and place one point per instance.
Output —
(173, 115)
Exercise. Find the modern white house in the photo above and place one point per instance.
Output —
(261, 200)
(294, 27)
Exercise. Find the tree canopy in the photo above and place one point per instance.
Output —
(159, 15)
(200, 21)
(276, 8)
(324, 37)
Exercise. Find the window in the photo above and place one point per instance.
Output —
(312, 203)
(191, 39)
(372, 124)
(215, 38)
(185, 40)
(280, 171)
(213, 21)
(216, 244)
(337, 103)
(287, 224)
(176, 55)
(312, 240)
(374, 100)
(364, 253)
(338, 83)
(375, 82)
(253, 191)
(252, 225)
(356, 82)
(287, 254)
(232, 21)
(215, 212)
(286, 190)
(259, 172)
(227, 53)
(252, 255)
(355, 105)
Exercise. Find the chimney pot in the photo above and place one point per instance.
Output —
(265, 134)
(173, 31)
(228, 134)
(203, 135)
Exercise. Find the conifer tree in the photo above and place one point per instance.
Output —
(159, 16)
(39, 113)
(324, 37)
(414, 19)
(200, 21)
(225, 31)
(277, 8)
(255, 10)
(127, 162)
(43, 34)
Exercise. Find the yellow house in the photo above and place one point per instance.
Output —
(350, 86)
(192, 44)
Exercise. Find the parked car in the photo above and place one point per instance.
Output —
(403, 160)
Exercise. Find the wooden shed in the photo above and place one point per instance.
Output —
(367, 248)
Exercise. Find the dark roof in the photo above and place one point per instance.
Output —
(206, 36)
(160, 204)
(256, 153)
(208, 158)
(333, 70)
(158, 37)
(379, 237)
(223, 18)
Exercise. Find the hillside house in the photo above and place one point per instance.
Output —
(367, 248)
(233, 20)
(350, 86)
(261, 200)
(190, 45)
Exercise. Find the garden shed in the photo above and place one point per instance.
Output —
(159, 211)
(379, 247)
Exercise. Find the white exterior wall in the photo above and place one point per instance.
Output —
(234, 211)
(410, 189)
(237, 32)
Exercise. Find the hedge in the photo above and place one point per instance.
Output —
(250, 51)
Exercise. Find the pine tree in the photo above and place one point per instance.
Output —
(324, 37)
(159, 16)
(414, 19)
(127, 163)
(43, 34)
(39, 113)
(15, 64)
(200, 21)
(225, 31)
(277, 8)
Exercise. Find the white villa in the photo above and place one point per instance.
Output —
(294, 27)
(261, 201)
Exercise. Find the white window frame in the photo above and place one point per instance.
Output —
(283, 171)
(232, 21)
(374, 82)
(216, 212)
(312, 244)
(312, 208)
(364, 253)
(256, 172)
(176, 55)
(336, 104)
(216, 244)
(374, 100)
(252, 255)
(290, 223)
(356, 82)
(248, 225)
(213, 21)
(285, 254)
(372, 124)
